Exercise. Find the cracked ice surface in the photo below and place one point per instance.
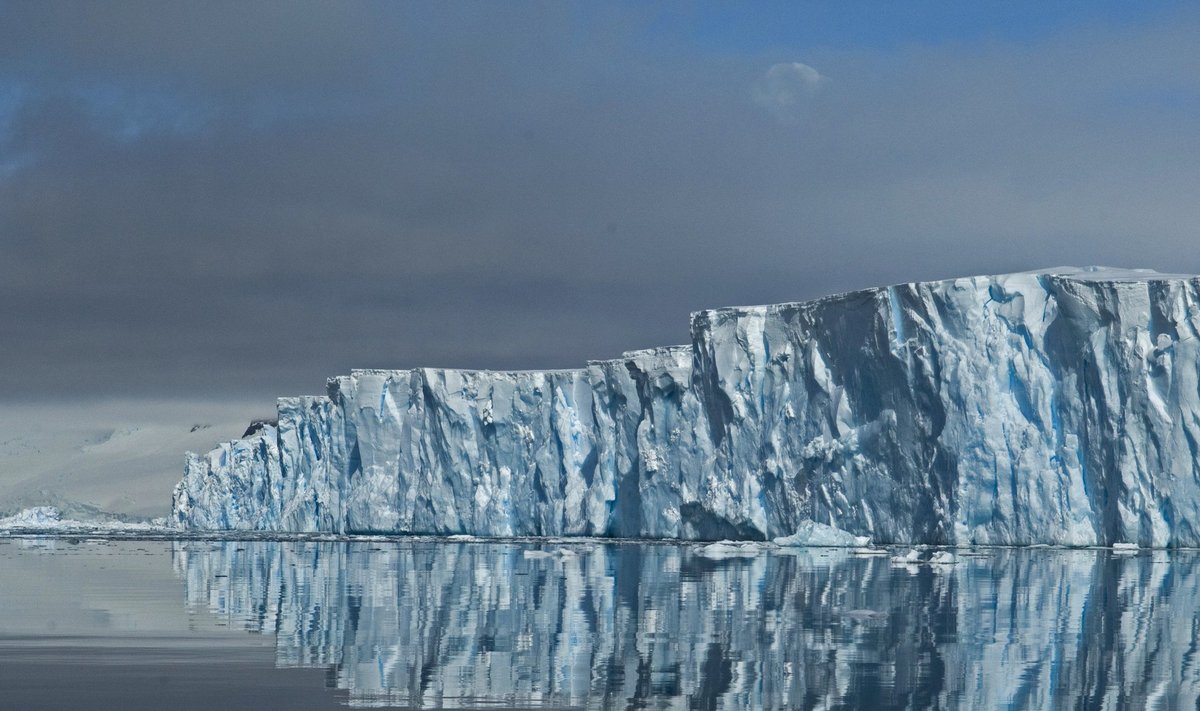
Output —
(1060, 406)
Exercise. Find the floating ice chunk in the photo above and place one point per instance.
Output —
(811, 533)
(942, 558)
(724, 550)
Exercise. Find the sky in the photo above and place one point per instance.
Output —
(236, 200)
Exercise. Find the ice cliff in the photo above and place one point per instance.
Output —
(1060, 406)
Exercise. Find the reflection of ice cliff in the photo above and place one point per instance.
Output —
(607, 626)
(1060, 407)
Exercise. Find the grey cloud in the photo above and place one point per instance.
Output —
(242, 199)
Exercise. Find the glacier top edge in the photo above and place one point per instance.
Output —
(405, 372)
(1090, 274)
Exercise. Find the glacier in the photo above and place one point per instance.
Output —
(1058, 406)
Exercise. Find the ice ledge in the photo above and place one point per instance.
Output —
(1092, 274)
(1110, 274)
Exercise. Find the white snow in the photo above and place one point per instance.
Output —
(116, 457)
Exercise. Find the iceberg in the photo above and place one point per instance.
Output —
(1060, 406)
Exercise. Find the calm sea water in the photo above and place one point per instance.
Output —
(439, 624)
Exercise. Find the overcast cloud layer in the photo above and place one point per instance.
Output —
(219, 200)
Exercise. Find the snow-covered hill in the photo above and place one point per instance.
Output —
(96, 458)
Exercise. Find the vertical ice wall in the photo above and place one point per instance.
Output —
(454, 451)
(462, 451)
(1060, 406)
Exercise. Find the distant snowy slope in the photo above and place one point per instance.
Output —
(118, 457)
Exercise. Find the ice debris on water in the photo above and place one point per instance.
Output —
(942, 558)
(811, 533)
(726, 550)
(911, 557)
(1060, 406)
(50, 520)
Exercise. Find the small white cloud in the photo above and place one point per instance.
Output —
(786, 87)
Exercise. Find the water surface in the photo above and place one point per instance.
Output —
(443, 624)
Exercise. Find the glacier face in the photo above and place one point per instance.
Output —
(1059, 406)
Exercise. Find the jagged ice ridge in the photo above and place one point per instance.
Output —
(1060, 406)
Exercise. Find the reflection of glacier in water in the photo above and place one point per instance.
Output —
(428, 624)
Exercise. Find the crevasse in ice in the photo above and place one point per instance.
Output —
(1060, 406)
